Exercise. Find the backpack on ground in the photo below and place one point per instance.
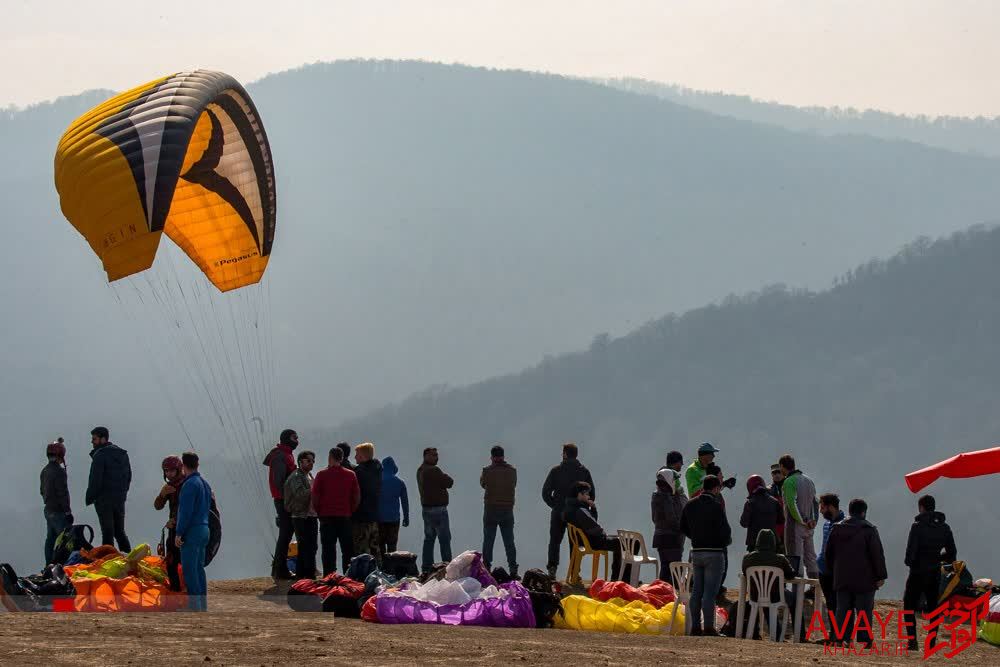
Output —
(74, 538)
(546, 596)
(400, 564)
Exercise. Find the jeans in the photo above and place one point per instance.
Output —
(436, 526)
(921, 585)
(334, 529)
(706, 579)
(667, 556)
(279, 565)
(111, 517)
(388, 537)
(307, 532)
(193, 563)
(56, 523)
(800, 548)
(557, 528)
(855, 603)
(503, 518)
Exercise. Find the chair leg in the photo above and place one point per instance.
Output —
(673, 615)
(784, 622)
(752, 622)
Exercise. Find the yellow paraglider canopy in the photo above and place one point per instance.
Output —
(186, 155)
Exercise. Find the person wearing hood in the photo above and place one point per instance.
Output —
(829, 509)
(107, 489)
(930, 544)
(580, 510)
(764, 553)
(169, 496)
(760, 511)
(499, 481)
(55, 495)
(667, 504)
(558, 487)
(855, 557)
(393, 497)
(364, 521)
(280, 464)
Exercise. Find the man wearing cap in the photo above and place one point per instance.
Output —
(667, 504)
(777, 479)
(280, 464)
(696, 472)
(107, 488)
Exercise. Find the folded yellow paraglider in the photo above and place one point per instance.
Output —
(184, 155)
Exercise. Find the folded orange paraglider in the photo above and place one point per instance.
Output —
(134, 592)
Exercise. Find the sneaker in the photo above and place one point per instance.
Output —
(695, 632)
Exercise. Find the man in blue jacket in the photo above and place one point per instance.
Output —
(192, 531)
(389, 501)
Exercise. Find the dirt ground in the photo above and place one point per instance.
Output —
(249, 624)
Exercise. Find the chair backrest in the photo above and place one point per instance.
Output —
(629, 540)
(578, 539)
(761, 580)
(681, 573)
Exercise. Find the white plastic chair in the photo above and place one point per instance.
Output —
(764, 579)
(682, 574)
(629, 540)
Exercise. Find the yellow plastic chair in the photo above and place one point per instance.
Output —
(579, 547)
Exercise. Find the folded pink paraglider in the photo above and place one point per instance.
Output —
(960, 466)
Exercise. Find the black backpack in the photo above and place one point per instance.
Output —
(72, 539)
(546, 598)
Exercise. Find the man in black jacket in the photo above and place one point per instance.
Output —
(855, 557)
(930, 544)
(55, 496)
(107, 490)
(557, 488)
(581, 512)
(704, 522)
(364, 522)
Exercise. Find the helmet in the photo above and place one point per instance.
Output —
(754, 482)
(172, 463)
(57, 448)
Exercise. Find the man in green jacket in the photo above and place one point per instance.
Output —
(695, 475)
(801, 514)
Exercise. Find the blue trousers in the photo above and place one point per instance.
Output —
(494, 518)
(436, 526)
(193, 563)
(708, 567)
(55, 522)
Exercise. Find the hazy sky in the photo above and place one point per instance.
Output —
(911, 56)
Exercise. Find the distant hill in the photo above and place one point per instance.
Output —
(444, 224)
(978, 135)
(896, 367)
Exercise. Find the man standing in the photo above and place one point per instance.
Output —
(298, 504)
(192, 531)
(801, 514)
(930, 543)
(855, 557)
(433, 485)
(829, 508)
(696, 472)
(169, 496)
(335, 496)
(582, 513)
(667, 503)
(499, 479)
(777, 479)
(557, 488)
(364, 523)
(704, 522)
(280, 464)
(346, 449)
(107, 490)
(55, 495)
(393, 497)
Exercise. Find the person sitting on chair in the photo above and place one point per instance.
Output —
(578, 511)
(766, 555)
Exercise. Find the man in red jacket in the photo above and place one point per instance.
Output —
(280, 464)
(336, 494)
